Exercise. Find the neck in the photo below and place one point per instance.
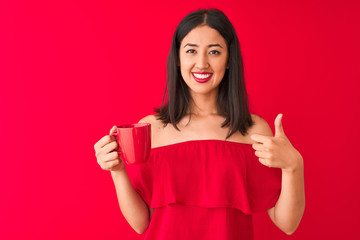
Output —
(204, 105)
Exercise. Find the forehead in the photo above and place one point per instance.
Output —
(203, 35)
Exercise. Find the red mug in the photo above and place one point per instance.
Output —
(134, 142)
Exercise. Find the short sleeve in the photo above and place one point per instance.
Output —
(263, 184)
(141, 178)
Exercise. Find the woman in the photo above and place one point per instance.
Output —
(203, 179)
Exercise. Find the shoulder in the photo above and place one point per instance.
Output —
(155, 123)
(260, 127)
(148, 119)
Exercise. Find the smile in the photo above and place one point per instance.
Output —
(202, 77)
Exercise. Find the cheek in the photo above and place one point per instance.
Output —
(221, 65)
(185, 63)
(219, 68)
(185, 69)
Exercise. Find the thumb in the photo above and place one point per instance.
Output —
(278, 126)
(113, 129)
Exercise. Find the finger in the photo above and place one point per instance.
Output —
(113, 129)
(258, 146)
(278, 126)
(103, 141)
(261, 154)
(112, 146)
(260, 138)
(265, 162)
(111, 157)
(110, 165)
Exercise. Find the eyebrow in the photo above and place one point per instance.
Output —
(210, 45)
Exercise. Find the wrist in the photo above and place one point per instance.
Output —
(297, 166)
(118, 172)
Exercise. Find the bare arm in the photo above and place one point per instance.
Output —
(135, 210)
(132, 206)
(278, 152)
(289, 209)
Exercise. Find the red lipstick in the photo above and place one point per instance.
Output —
(202, 80)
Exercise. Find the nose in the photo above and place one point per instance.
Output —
(202, 61)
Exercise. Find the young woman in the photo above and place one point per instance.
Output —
(203, 179)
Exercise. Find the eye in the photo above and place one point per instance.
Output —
(214, 52)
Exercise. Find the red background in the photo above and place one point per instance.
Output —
(70, 70)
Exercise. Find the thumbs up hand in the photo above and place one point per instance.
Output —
(277, 151)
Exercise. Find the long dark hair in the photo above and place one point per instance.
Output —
(232, 102)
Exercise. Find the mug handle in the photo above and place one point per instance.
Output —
(115, 134)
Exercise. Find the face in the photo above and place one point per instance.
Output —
(203, 59)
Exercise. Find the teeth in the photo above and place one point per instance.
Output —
(201, 76)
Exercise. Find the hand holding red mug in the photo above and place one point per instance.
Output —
(106, 152)
(129, 143)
